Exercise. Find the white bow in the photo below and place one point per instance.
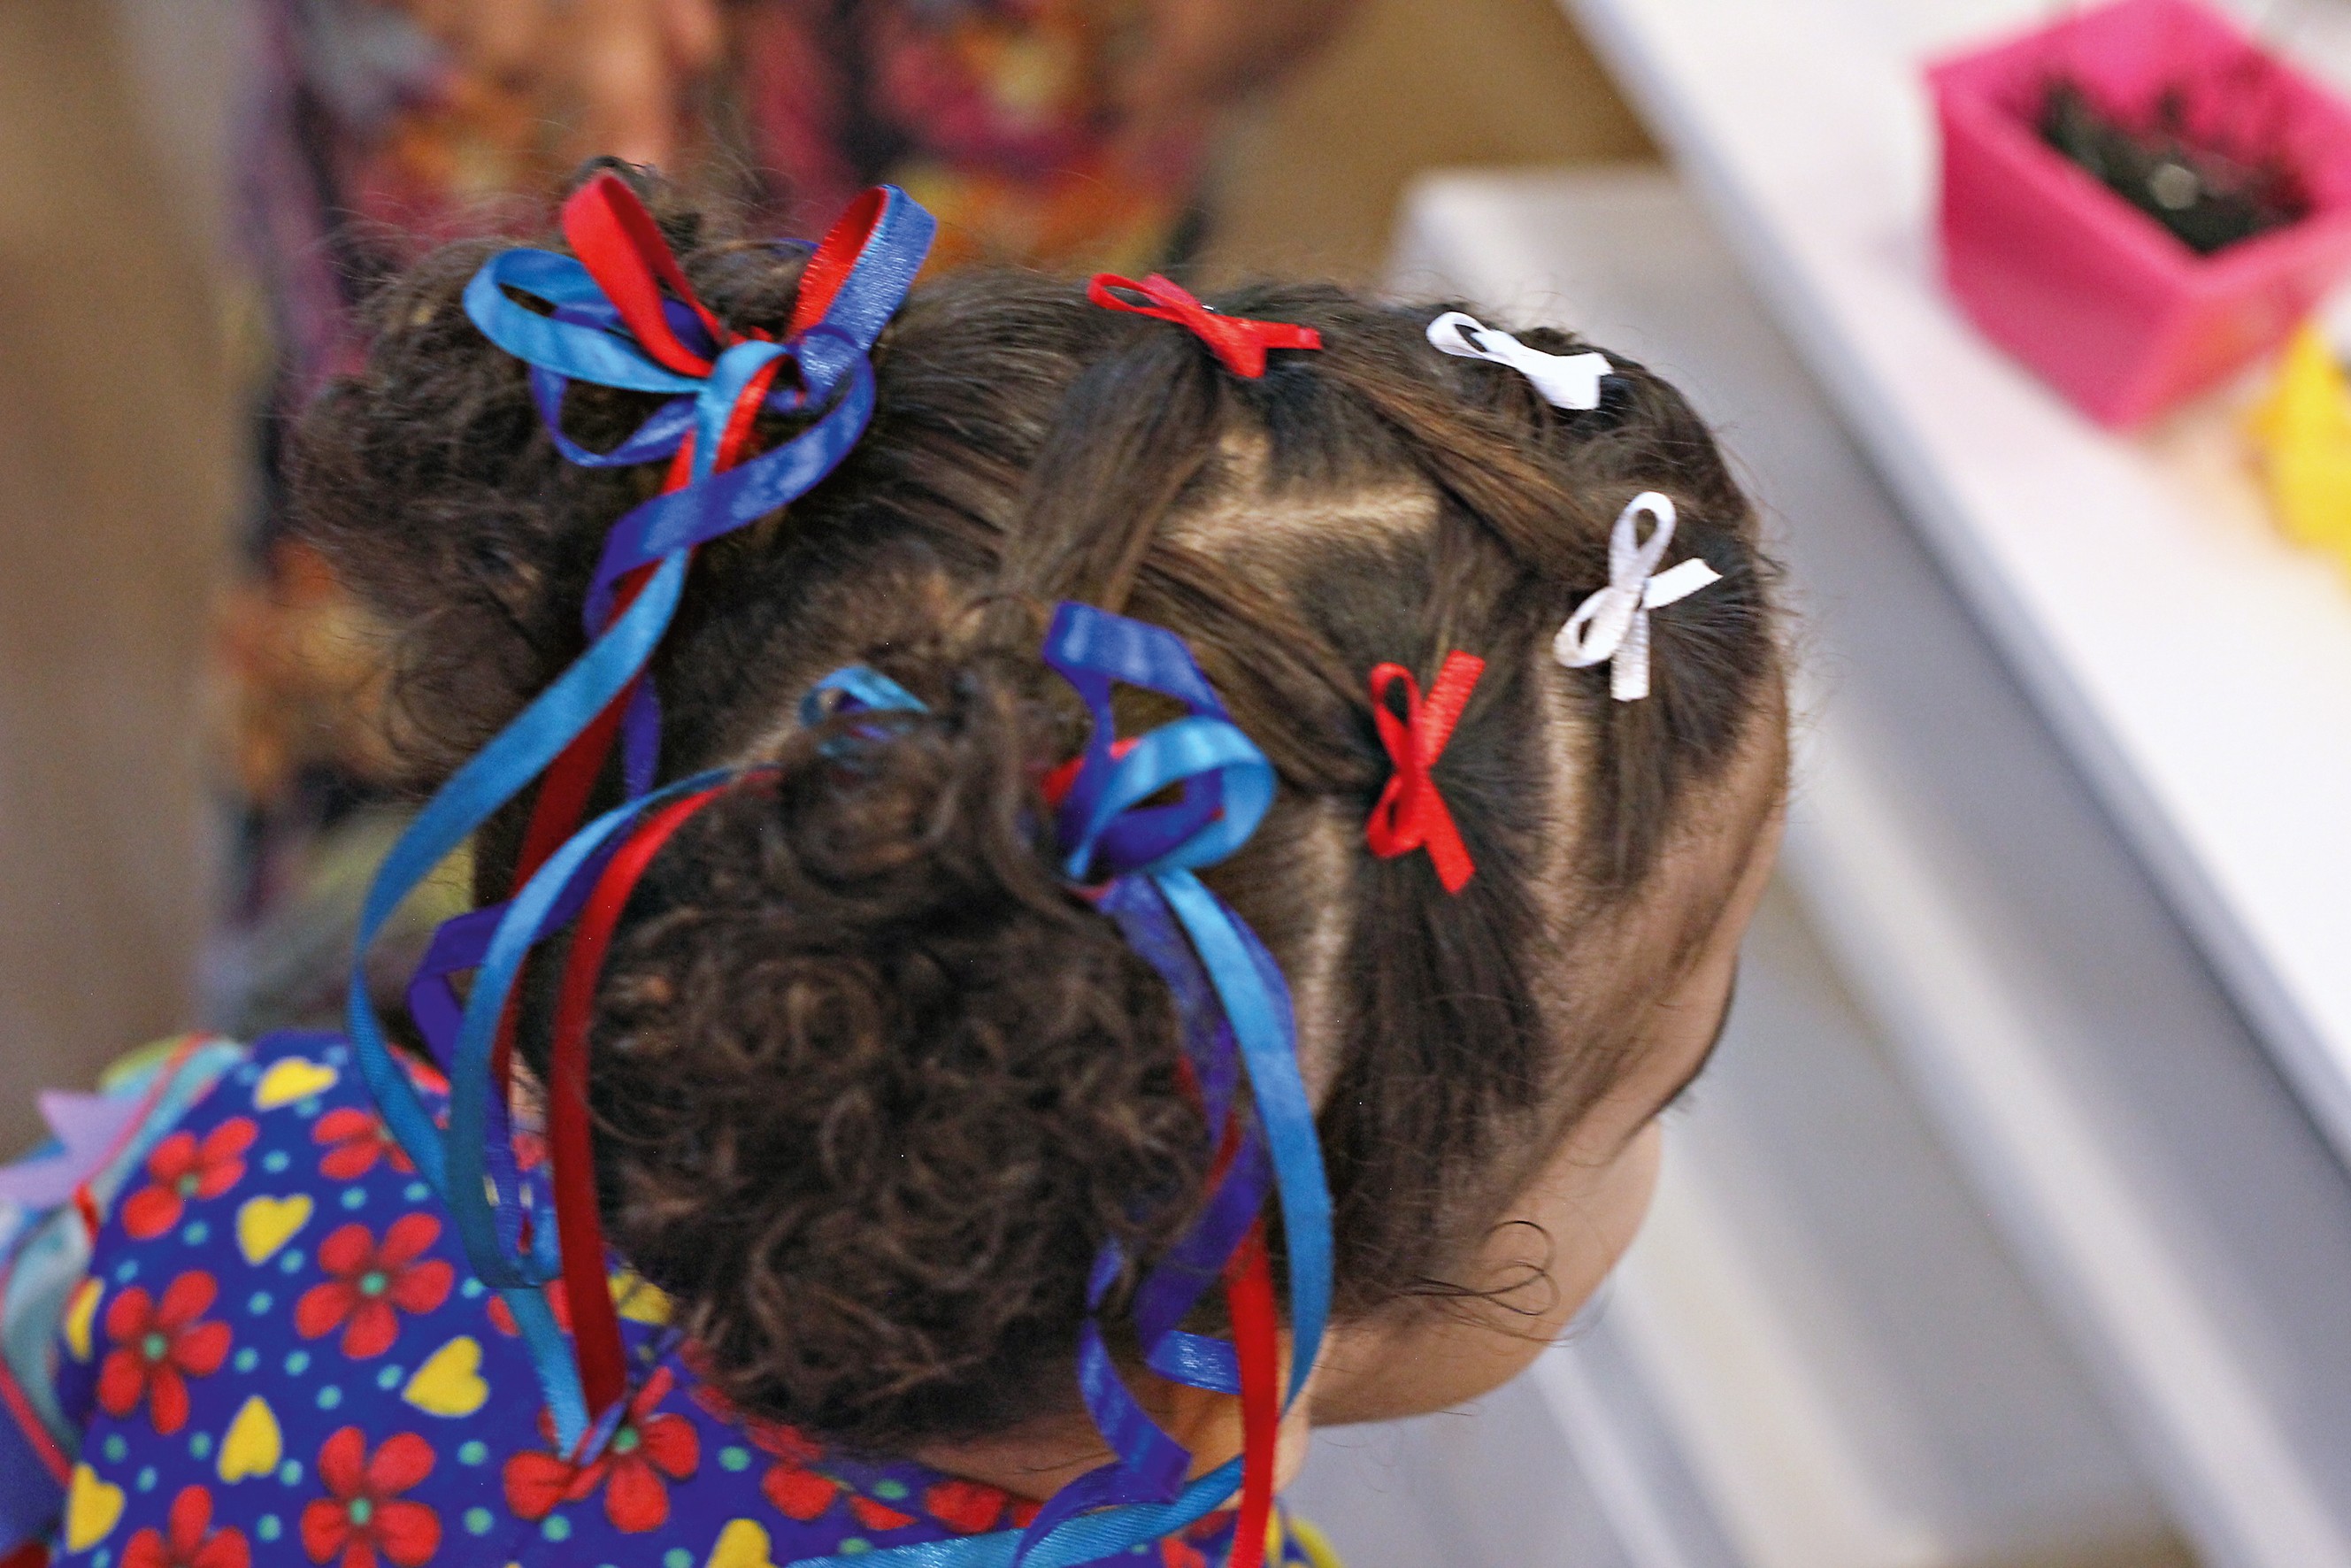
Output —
(1565, 381)
(1614, 623)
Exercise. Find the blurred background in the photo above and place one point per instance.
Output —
(195, 788)
(2013, 1227)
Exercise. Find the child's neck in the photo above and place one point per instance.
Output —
(1040, 1456)
(1033, 1460)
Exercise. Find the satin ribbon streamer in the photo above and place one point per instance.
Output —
(1239, 342)
(1140, 862)
(1612, 623)
(571, 1143)
(621, 315)
(1565, 381)
(1226, 787)
(614, 875)
(1410, 813)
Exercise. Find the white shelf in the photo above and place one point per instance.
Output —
(2196, 668)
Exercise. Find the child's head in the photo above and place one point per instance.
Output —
(873, 1084)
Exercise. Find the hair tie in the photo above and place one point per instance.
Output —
(1411, 814)
(1565, 381)
(1612, 623)
(1237, 343)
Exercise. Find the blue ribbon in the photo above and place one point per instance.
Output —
(1088, 1539)
(480, 1143)
(741, 496)
(518, 753)
(1230, 1001)
(583, 339)
(1225, 787)
(852, 690)
(478, 1148)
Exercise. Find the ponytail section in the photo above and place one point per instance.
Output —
(1136, 430)
(609, 316)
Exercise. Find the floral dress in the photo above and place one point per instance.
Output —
(236, 1328)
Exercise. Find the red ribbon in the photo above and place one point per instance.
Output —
(623, 249)
(617, 240)
(1236, 340)
(1411, 814)
(1249, 1301)
(571, 1139)
(835, 259)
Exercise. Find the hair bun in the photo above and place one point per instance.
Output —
(866, 1049)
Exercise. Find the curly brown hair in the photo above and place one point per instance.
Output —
(873, 1085)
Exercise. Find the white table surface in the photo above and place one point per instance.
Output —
(2198, 667)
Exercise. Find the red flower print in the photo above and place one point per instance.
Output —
(800, 1494)
(875, 1515)
(188, 1540)
(788, 1444)
(800, 1491)
(364, 1514)
(181, 1169)
(356, 1139)
(797, 1490)
(647, 1446)
(371, 1282)
(968, 1508)
(158, 1346)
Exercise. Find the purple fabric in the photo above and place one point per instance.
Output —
(84, 1127)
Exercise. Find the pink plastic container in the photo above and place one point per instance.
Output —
(2113, 309)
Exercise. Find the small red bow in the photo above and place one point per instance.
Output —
(1411, 814)
(1238, 341)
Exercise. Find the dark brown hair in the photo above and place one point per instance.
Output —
(873, 1085)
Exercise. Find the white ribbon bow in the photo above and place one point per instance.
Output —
(1565, 381)
(1614, 623)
